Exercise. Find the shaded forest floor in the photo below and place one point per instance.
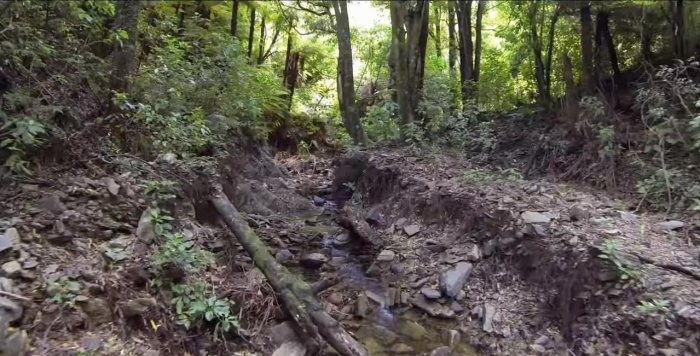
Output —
(536, 267)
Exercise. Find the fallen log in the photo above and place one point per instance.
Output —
(297, 297)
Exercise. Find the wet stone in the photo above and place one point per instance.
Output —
(456, 307)
(441, 351)
(9, 310)
(401, 349)
(313, 260)
(430, 293)
(283, 255)
(361, 305)
(318, 201)
(342, 239)
(451, 337)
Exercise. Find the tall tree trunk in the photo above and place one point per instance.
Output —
(261, 43)
(646, 44)
(203, 10)
(438, 36)
(537, 54)
(452, 51)
(550, 50)
(180, 10)
(466, 49)
(605, 42)
(678, 28)
(571, 102)
(587, 76)
(251, 32)
(291, 62)
(346, 87)
(477, 47)
(409, 22)
(124, 53)
(234, 17)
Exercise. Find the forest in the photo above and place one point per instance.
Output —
(333, 177)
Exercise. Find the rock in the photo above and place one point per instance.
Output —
(290, 348)
(533, 217)
(489, 314)
(145, 231)
(380, 333)
(17, 344)
(361, 305)
(6, 285)
(318, 201)
(452, 280)
(400, 222)
(313, 260)
(112, 186)
(374, 216)
(283, 332)
(11, 269)
(607, 275)
(98, 310)
(91, 343)
(401, 348)
(412, 330)
(342, 239)
(386, 256)
(411, 230)
(441, 351)
(396, 267)
(30, 263)
(283, 255)
(670, 225)
(670, 352)
(433, 309)
(451, 337)
(489, 247)
(137, 306)
(572, 241)
(376, 297)
(474, 254)
(137, 275)
(336, 298)
(542, 340)
(538, 348)
(10, 239)
(9, 310)
(579, 213)
(430, 293)
(420, 282)
(168, 158)
(53, 204)
(456, 307)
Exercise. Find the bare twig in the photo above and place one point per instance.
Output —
(12, 295)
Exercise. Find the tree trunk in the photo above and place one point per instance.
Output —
(542, 97)
(180, 10)
(587, 76)
(550, 50)
(466, 51)
(289, 77)
(452, 51)
(605, 41)
(296, 296)
(346, 89)
(124, 53)
(234, 17)
(251, 32)
(438, 36)
(261, 43)
(477, 49)
(678, 28)
(646, 44)
(571, 102)
(409, 22)
(203, 10)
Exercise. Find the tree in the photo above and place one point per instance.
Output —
(234, 17)
(604, 43)
(409, 24)
(346, 85)
(452, 50)
(676, 7)
(477, 49)
(251, 32)
(466, 49)
(587, 76)
(124, 53)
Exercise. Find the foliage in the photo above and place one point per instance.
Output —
(380, 123)
(610, 252)
(160, 190)
(18, 134)
(195, 303)
(161, 221)
(64, 291)
(654, 306)
(177, 251)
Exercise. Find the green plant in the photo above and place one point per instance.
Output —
(17, 135)
(606, 136)
(654, 306)
(161, 221)
(303, 149)
(64, 291)
(610, 252)
(380, 124)
(196, 303)
(176, 251)
(160, 190)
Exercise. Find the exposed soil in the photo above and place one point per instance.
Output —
(538, 285)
